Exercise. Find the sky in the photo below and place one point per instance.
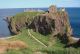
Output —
(38, 3)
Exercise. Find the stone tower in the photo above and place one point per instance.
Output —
(52, 9)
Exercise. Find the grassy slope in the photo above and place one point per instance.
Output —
(33, 46)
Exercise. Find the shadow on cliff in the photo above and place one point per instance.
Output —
(42, 24)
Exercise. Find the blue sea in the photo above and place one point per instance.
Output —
(74, 16)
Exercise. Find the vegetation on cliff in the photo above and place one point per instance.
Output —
(34, 47)
(20, 20)
(39, 29)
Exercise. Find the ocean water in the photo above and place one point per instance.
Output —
(4, 31)
(74, 16)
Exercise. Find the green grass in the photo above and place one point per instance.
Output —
(56, 48)
(24, 36)
(42, 38)
(25, 16)
(34, 46)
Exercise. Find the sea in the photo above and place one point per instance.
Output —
(74, 16)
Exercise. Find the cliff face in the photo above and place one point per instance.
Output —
(43, 24)
(17, 22)
(15, 26)
(55, 21)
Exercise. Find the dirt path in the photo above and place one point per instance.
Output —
(36, 39)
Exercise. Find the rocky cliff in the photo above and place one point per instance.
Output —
(54, 21)
(15, 26)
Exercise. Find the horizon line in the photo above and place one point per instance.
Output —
(36, 7)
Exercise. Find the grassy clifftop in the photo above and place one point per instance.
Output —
(20, 20)
(43, 33)
(35, 47)
(54, 45)
(27, 15)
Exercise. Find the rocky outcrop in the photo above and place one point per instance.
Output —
(54, 21)
(43, 24)
(19, 21)
(15, 25)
